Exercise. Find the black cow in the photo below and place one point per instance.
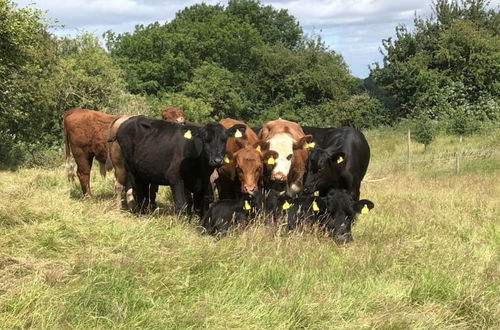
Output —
(163, 153)
(335, 212)
(338, 160)
(229, 212)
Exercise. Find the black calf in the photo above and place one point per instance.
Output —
(336, 212)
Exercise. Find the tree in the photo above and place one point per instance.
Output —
(453, 53)
(424, 131)
(219, 88)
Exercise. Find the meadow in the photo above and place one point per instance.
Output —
(426, 257)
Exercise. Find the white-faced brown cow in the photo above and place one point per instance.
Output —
(85, 135)
(287, 139)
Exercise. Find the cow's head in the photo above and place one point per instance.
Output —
(284, 145)
(343, 209)
(323, 169)
(213, 137)
(248, 162)
(173, 115)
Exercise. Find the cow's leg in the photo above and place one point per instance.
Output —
(178, 194)
(189, 200)
(347, 182)
(153, 190)
(118, 193)
(141, 194)
(84, 165)
(129, 193)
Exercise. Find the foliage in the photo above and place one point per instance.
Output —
(246, 60)
(218, 87)
(194, 109)
(449, 61)
(424, 131)
(88, 77)
(361, 111)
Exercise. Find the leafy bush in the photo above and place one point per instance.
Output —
(194, 109)
(361, 111)
(424, 130)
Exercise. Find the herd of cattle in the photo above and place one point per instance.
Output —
(281, 170)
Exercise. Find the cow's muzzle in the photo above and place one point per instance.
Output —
(278, 177)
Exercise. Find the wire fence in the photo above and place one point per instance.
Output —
(454, 158)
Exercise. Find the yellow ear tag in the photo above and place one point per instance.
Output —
(188, 135)
(340, 160)
(238, 134)
(258, 149)
(316, 193)
(226, 160)
(365, 210)
(315, 206)
(270, 161)
(286, 205)
(309, 145)
(247, 206)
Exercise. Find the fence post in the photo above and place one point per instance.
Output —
(409, 151)
(457, 157)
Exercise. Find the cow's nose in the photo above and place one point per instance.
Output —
(180, 119)
(279, 176)
(250, 189)
(218, 160)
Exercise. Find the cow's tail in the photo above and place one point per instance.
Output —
(109, 164)
(70, 169)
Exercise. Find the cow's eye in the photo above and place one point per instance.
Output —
(289, 157)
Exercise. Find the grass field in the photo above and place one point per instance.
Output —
(427, 256)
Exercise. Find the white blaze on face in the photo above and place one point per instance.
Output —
(282, 143)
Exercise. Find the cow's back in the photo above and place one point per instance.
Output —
(273, 127)
(151, 147)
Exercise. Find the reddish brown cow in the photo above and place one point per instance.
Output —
(85, 135)
(243, 173)
(290, 143)
(173, 114)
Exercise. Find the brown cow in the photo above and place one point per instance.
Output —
(85, 135)
(115, 159)
(290, 143)
(243, 173)
(173, 114)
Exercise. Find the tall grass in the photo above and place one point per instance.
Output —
(427, 256)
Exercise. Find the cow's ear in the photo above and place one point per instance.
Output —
(237, 131)
(145, 125)
(261, 146)
(242, 143)
(190, 132)
(269, 157)
(338, 158)
(305, 142)
(229, 157)
(363, 206)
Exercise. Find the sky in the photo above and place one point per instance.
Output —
(353, 28)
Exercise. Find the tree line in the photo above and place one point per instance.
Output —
(248, 61)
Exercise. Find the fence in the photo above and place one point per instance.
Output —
(453, 158)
